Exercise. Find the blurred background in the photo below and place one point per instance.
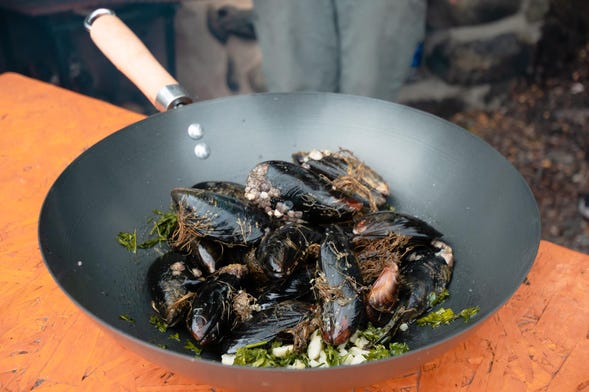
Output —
(511, 71)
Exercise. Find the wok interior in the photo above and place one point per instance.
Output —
(436, 171)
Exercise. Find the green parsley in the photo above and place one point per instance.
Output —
(468, 313)
(128, 240)
(332, 356)
(371, 333)
(163, 226)
(262, 355)
(162, 230)
(396, 348)
(436, 299)
(255, 355)
(127, 318)
(158, 323)
(446, 316)
(380, 351)
(193, 347)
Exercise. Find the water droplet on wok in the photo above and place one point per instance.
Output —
(195, 131)
(202, 150)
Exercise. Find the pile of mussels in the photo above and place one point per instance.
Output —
(305, 245)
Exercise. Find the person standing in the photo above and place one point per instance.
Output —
(360, 47)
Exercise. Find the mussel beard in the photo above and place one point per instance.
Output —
(374, 255)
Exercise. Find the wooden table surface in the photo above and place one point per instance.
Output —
(538, 341)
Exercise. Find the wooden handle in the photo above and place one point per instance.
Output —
(126, 51)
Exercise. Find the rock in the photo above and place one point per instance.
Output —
(489, 60)
(444, 14)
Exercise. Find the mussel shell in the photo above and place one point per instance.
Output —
(206, 214)
(384, 292)
(227, 188)
(297, 285)
(284, 189)
(171, 278)
(342, 309)
(267, 324)
(212, 314)
(421, 280)
(383, 223)
(211, 255)
(336, 165)
(281, 250)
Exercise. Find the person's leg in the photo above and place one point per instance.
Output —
(299, 44)
(378, 40)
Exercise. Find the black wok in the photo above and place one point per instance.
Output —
(436, 171)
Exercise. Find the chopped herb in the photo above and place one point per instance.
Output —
(261, 354)
(193, 347)
(371, 333)
(164, 225)
(446, 316)
(437, 318)
(175, 336)
(468, 313)
(378, 351)
(396, 348)
(333, 357)
(161, 345)
(162, 229)
(254, 355)
(128, 240)
(436, 299)
(158, 323)
(127, 318)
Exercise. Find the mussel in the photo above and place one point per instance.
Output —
(381, 239)
(338, 286)
(296, 286)
(227, 188)
(172, 279)
(346, 173)
(206, 214)
(302, 249)
(422, 279)
(212, 312)
(210, 255)
(281, 250)
(290, 192)
(287, 317)
(380, 224)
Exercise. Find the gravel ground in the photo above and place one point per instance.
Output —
(542, 129)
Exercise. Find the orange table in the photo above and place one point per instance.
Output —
(538, 341)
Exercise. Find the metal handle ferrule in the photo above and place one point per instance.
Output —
(95, 15)
(170, 97)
